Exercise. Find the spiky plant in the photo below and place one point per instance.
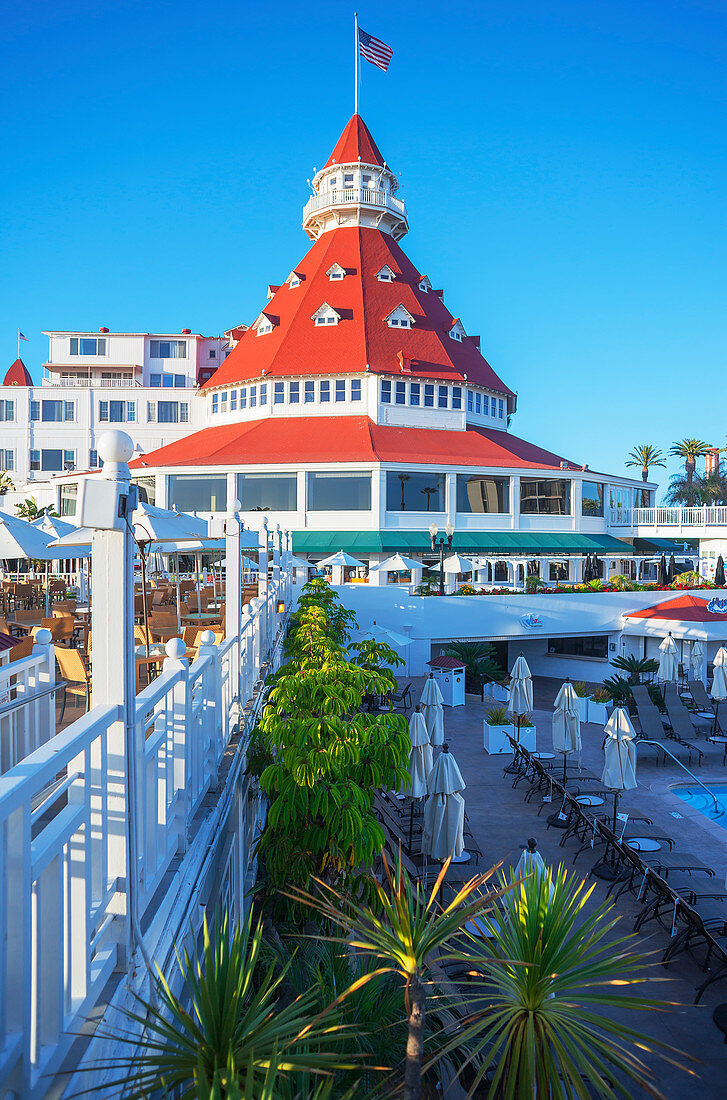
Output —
(546, 970)
(479, 660)
(635, 666)
(645, 455)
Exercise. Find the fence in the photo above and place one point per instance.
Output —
(704, 516)
(27, 703)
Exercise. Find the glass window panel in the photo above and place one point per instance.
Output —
(243, 397)
(156, 380)
(414, 392)
(253, 396)
(478, 402)
(52, 410)
(309, 393)
(340, 389)
(263, 393)
(35, 460)
(180, 381)
(168, 412)
(147, 489)
(486, 404)
(267, 492)
(545, 497)
(592, 504)
(356, 389)
(470, 401)
(35, 410)
(67, 499)
(294, 396)
(339, 492)
(414, 492)
(595, 648)
(74, 345)
(480, 494)
(456, 397)
(325, 391)
(401, 393)
(116, 412)
(429, 397)
(442, 397)
(385, 391)
(204, 493)
(233, 400)
(279, 393)
(51, 460)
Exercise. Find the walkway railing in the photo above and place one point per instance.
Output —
(368, 196)
(24, 728)
(703, 516)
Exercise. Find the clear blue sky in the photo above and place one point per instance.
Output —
(563, 163)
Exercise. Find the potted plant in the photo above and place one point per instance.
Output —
(497, 727)
(583, 696)
(597, 706)
(497, 689)
(525, 732)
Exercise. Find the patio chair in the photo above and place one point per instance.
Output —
(694, 928)
(21, 649)
(402, 701)
(76, 675)
(699, 695)
(681, 722)
(641, 696)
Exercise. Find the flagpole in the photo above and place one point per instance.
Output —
(356, 68)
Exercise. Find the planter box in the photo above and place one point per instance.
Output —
(583, 703)
(497, 692)
(495, 738)
(597, 713)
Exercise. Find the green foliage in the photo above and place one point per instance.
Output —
(635, 666)
(546, 971)
(622, 583)
(326, 757)
(618, 688)
(466, 590)
(28, 509)
(601, 695)
(534, 584)
(6, 483)
(479, 663)
(690, 579)
(645, 455)
(230, 1034)
(580, 689)
(497, 716)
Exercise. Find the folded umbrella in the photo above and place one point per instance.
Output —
(521, 691)
(668, 660)
(566, 726)
(444, 809)
(432, 710)
(420, 755)
(696, 660)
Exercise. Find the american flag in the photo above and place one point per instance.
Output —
(374, 50)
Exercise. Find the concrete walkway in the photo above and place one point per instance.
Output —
(501, 821)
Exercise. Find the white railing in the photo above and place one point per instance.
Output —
(27, 704)
(704, 516)
(367, 196)
(92, 383)
(65, 880)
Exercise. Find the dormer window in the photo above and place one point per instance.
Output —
(335, 272)
(457, 331)
(386, 275)
(325, 315)
(293, 279)
(264, 324)
(272, 291)
(424, 285)
(400, 318)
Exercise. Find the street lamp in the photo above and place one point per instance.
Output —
(441, 542)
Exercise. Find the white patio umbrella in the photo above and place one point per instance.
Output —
(619, 770)
(718, 690)
(397, 563)
(520, 691)
(299, 563)
(420, 762)
(432, 701)
(530, 863)
(340, 558)
(444, 810)
(566, 724)
(668, 660)
(455, 563)
(720, 657)
(696, 659)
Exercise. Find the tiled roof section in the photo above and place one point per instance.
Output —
(362, 341)
(685, 609)
(354, 144)
(332, 439)
(18, 375)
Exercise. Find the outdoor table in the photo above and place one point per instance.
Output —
(543, 755)
(590, 799)
(202, 617)
(642, 844)
(465, 857)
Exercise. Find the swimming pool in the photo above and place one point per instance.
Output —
(698, 798)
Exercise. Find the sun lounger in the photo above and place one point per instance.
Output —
(699, 695)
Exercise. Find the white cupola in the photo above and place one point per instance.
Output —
(356, 187)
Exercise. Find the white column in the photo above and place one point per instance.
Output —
(451, 498)
(515, 502)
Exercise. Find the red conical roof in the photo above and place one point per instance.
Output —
(18, 375)
(362, 340)
(354, 144)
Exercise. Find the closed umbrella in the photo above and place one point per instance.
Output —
(596, 566)
(719, 572)
(521, 691)
(719, 690)
(420, 762)
(444, 810)
(668, 660)
(672, 570)
(661, 573)
(432, 701)
(566, 724)
(696, 660)
(720, 657)
(619, 771)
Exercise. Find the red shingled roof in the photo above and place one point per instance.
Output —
(362, 340)
(685, 609)
(445, 662)
(354, 144)
(331, 439)
(18, 375)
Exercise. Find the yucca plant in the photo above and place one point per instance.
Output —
(546, 969)
(405, 931)
(228, 1034)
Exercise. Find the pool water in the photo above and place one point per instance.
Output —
(698, 798)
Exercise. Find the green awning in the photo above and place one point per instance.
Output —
(509, 543)
(661, 546)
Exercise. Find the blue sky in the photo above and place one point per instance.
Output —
(563, 164)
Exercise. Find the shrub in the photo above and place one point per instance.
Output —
(466, 590)
(601, 695)
(580, 689)
(497, 716)
(619, 688)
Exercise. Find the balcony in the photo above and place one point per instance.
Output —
(89, 382)
(673, 520)
(355, 196)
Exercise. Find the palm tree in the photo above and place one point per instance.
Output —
(429, 492)
(479, 663)
(689, 450)
(645, 455)
(544, 971)
(403, 478)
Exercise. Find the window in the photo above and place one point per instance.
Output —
(155, 381)
(233, 400)
(263, 393)
(442, 397)
(340, 389)
(478, 494)
(167, 349)
(223, 401)
(85, 345)
(324, 392)
(67, 495)
(401, 393)
(53, 412)
(243, 397)
(293, 281)
(35, 460)
(202, 493)
(335, 272)
(414, 492)
(180, 381)
(339, 492)
(414, 393)
(264, 327)
(486, 404)
(213, 353)
(455, 335)
(620, 498)
(52, 460)
(429, 397)
(35, 413)
(478, 402)
(7, 410)
(501, 408)
(294, 394)
(147, 488)
(545, 497)
(169, 412)
(93, 460)
(117, 412)
(309, 393)
(592, 502)
(385, 391)
(348, 179)
(386, 275)
(355, 389)
(470, 401)
(215, 403)
(7, 458)
(267, 492)
(326, 319)
(253, 397)
(596, 648)
(643, 498)
(69, 460)
(168, 381)
(456, 397)
(279, 393)
(399, 318)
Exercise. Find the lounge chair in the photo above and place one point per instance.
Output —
(699, 695)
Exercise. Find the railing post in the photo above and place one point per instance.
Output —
(276, 556)
(45, 677)
(212, 700)
(181, 733)
(247, 658)
(262, 589)
(233, 581)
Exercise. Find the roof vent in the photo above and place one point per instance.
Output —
(103, 329)
(186, 332)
